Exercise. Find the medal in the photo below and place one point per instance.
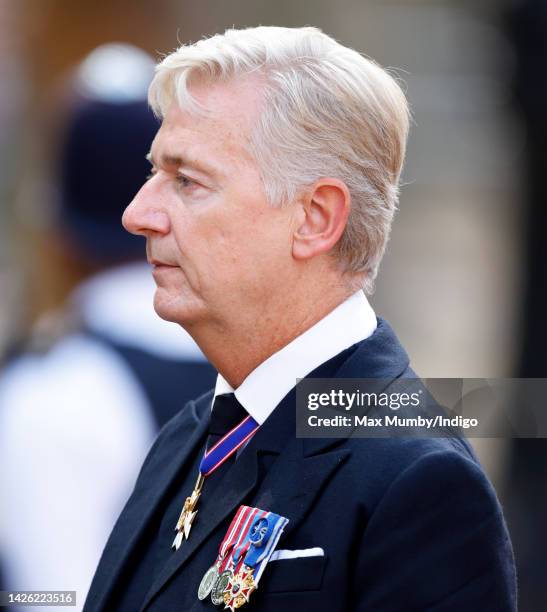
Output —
(239, 588)
(208, 582)
(188, 513)
(217, 594)
(259, 533)
(212, 460)
(215, 579)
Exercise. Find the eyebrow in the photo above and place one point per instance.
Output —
(178, 161)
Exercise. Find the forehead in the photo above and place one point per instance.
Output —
(220, 133)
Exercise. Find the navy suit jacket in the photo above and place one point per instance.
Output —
(406, 524)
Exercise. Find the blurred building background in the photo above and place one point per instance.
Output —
(463, 281)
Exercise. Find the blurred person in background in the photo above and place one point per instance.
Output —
(82, 401)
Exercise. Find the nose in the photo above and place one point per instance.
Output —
(143, 216)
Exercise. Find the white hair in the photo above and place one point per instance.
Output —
(328, 111)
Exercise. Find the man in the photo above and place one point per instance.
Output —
(274, 182)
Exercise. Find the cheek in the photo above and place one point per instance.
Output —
(232, 239)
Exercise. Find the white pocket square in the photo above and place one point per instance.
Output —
(279, 555)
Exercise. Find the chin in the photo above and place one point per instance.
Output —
(175, 309)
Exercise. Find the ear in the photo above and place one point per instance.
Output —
(322, 218)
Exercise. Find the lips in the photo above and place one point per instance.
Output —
(156, 263)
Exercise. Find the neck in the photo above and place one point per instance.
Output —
(236, 349)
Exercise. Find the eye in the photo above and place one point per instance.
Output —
(185, 181)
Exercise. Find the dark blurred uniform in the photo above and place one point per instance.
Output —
(80, 408)
(527, 491)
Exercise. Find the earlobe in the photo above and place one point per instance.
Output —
(322, 218)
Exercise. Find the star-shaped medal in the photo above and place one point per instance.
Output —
(186, 518)
(239, 589)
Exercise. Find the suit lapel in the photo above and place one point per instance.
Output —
(295, 481)
(168, 461)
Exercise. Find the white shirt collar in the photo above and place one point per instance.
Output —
(263, 389)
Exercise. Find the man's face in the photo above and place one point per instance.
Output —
(217, 248)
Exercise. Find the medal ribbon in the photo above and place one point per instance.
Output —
(232, 533)
(257, 557)
(232, 537)
(227, 445)
(236, 558)
(212, 459)
(240, 551)
(245, 551)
